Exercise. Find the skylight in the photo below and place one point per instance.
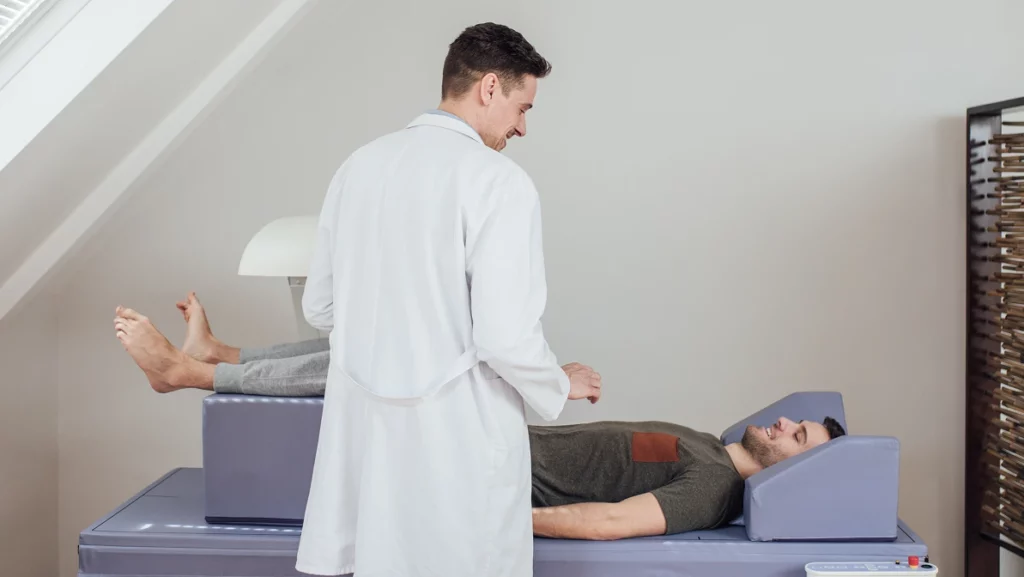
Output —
(14, 14)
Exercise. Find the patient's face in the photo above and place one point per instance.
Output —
(770, 445)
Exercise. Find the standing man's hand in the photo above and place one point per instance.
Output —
(584, 382)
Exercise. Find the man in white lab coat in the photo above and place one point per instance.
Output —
(429, 274)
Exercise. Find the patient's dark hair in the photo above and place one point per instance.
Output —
(488, 48)
(833, 427)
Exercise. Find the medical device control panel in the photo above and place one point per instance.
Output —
(861, 569)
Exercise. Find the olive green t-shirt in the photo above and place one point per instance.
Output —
(688, 472)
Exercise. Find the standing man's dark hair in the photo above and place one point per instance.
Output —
(489, 81)
(487, 48)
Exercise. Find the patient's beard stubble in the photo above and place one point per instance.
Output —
(763, 453)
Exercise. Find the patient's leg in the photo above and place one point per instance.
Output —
(201, 344)
(285, 350)
(291, 376)
(167, 368)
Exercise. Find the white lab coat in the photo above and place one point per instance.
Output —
(429, 274)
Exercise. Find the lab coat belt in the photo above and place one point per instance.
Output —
(419, 393)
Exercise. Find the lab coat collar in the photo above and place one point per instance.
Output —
(445, 121)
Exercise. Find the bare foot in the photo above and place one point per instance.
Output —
(200, 343)
(166, 367)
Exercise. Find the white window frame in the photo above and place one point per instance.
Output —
(34, 10)
(23, 41)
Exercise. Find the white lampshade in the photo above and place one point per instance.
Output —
(282, 248)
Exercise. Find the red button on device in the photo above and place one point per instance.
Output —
(913, 560)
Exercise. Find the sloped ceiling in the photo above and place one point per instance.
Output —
(62, 167)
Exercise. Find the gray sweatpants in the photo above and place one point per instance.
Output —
(286, 370)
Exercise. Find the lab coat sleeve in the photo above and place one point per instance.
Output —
(508, 291)
(318, 294)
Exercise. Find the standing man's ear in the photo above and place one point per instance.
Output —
(487, 86)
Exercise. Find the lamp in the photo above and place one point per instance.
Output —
(284, 248)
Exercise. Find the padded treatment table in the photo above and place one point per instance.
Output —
(162, 531)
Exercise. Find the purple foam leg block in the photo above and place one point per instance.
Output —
(258, 455)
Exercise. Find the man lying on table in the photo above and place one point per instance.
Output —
(598, 481)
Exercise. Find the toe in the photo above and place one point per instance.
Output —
(136, 317)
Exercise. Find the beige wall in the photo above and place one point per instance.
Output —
(28, 440)
(741, 200)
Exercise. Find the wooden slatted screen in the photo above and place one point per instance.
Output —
(996, 325)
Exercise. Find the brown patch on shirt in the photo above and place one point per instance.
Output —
(655, 448)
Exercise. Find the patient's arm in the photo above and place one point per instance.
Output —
(637, 516)
(703, 497)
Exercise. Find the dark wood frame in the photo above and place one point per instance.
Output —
(981, 547)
